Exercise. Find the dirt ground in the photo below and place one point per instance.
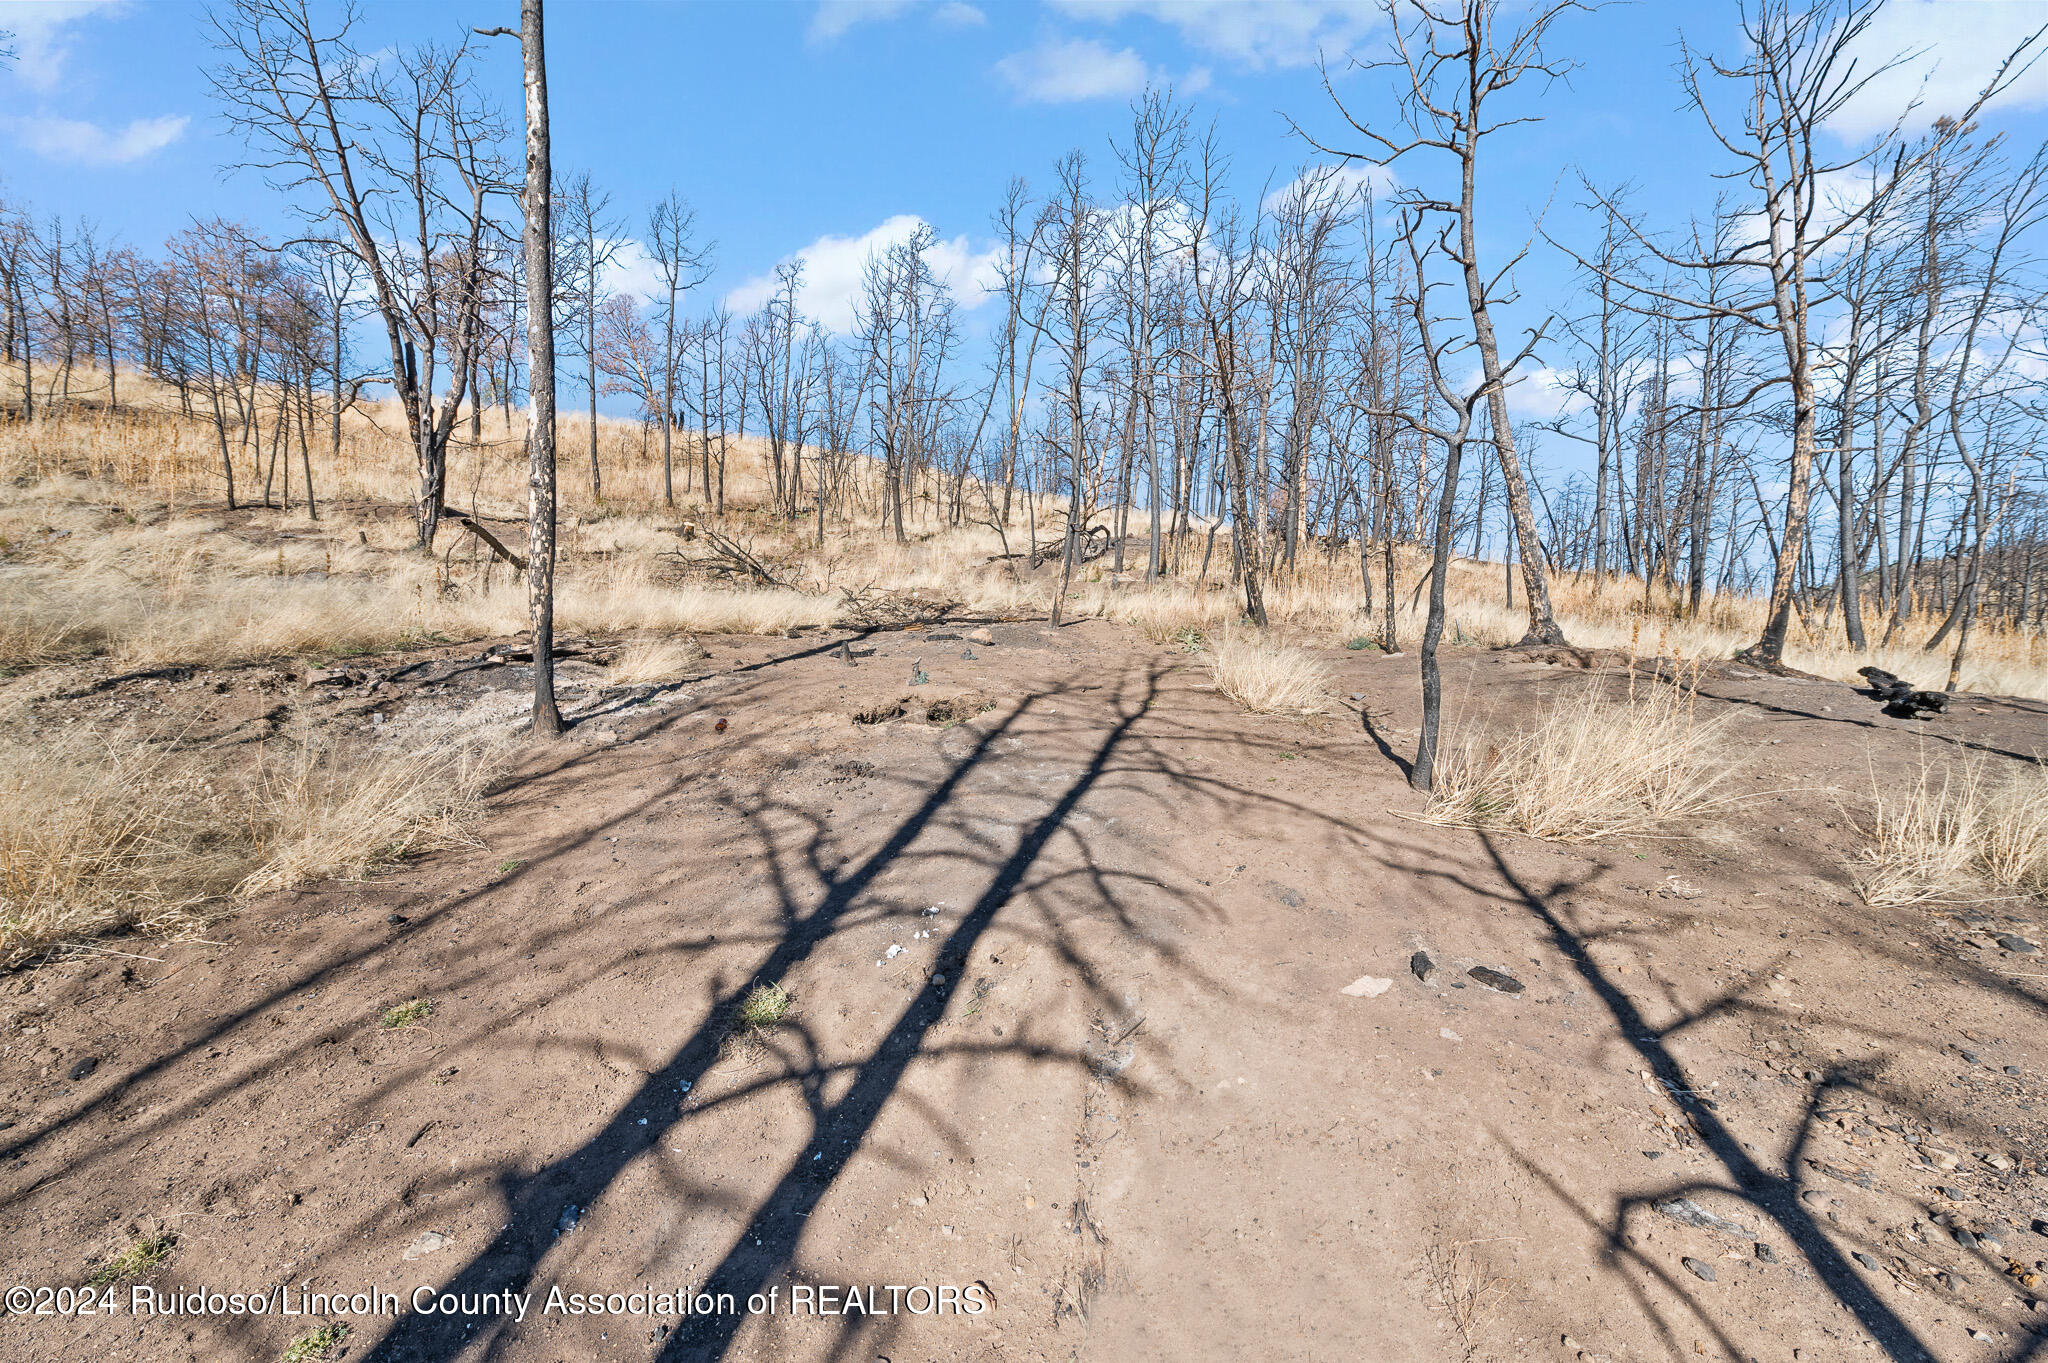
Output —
(1071, 1070)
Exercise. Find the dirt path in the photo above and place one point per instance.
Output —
(1069, 1046)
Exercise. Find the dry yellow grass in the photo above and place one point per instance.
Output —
(1961, 831)
(653, 660)
(104, 832)
(144, 580)
(1593, 766)
(1268, 678)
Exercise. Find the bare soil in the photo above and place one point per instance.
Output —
(1067, 937)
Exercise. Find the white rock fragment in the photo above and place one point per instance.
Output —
(1367, 987)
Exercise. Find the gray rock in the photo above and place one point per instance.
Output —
(425, 1243)
(566, 1222)
(85, 1067)
(2012, 1069)
(1422, 966)
(1970, 1056)
(2019, 944)
(1699, 1269)
(1765, 1254)
(1864, 1259)
(1687, 1212)
(1494, 979)
(1965, 1238)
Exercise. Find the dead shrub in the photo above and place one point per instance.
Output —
(1268, 678)
(1958, 832)
(1592, 767)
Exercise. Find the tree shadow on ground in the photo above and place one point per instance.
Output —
(840, 1126)
(1774, 1192)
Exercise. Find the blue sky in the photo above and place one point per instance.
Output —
(824, 128)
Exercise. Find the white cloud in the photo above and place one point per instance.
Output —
(1959, 44)
(1256, 33)
(832, 272)
(70, 139)
(40, 41)
(631, 270)
(1336, 182)
(1542, 395)
(1064, 70)
(833, 18)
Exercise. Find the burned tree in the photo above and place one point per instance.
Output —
(400, 162)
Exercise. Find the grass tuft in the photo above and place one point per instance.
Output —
(649, 661)
(1959, 832)
(316, 1345)
(103, 834)
(765, 1006)
(1592, 767)
(1268, 678)
(145, 1255)
(408, 1014)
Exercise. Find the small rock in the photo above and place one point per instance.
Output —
(1980, 1335)
(396, 920)
(980, 636)
(1494, 979)
(427, 1242)
(2040, 1226)
(1864, 1259)
(1952, 1194)
(2019, 944)
(1944, 1160)
(968, 655)
(2001, 1162)
(1703, 1271)
(1421, 966)
(1765, 1254)
(1855, 1178)
(566, 1222)
(1965, 1238)
(2012, 1069)
(1367, 987)
(1687, 1212)
(1448, 1035)
(85, 1067)
(1994, 1236)
(1969, 1056)
(605, 736)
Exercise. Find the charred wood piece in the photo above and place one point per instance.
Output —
(1901, 701)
